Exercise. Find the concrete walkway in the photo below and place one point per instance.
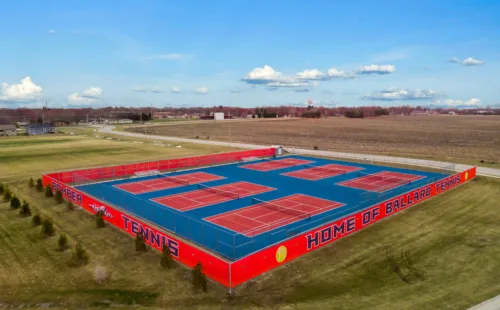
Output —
(492, 304)
(484, 171)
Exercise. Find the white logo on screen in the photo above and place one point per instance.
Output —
(98, 208)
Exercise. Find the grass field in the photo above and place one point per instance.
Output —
(30, 156)
(453, 241)
(462, 139)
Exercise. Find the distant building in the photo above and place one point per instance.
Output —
(8, 130)
(22, 124)
(219, 116)
(452, 113)
(40, 129)
(419, 113)
(121, 121)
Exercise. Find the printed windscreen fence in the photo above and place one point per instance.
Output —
(74, 177)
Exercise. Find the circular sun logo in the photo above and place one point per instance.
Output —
(281, 254)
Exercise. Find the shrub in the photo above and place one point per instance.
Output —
(7, 194)
(1, 189)
(39, 185)
(315, 147)
(70, 206)
(99, 219)
(37, 220)
(101, 275)
(25, 209)
(48, 227)
(140, 245)
(31, 183)
(15, 203)
(59, 197)
(48, 192)
(167, 261)
(62, 242)
(79, 257)
(199, 278)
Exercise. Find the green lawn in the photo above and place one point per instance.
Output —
(29, 156)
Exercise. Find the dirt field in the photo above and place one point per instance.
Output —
(465, 139)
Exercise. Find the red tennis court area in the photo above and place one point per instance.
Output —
(314, 173)
(276, 164)
(161, 183)
(206, 196)
(381, 181)
(268, 215)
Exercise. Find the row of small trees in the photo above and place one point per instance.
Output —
(80, 256)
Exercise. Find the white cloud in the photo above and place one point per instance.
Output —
(285, 84)
(263, 75)
(471, 62)
(316, 75)
(52, 31)
(175, 90)
(472, 102)
(467, 62)
(26, 90)
(90, 95)
(313, 74)
(92, 92)
(402, 94)
(172, 56)
(377, 69)
(201, 90)
(141, 89)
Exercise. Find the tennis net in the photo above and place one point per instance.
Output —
(275, 207)
(173, 179)
(383, 178)
(327, 169)
(219, 191)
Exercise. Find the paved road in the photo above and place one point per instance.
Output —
(491, 172)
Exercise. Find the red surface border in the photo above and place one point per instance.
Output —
(232, 274)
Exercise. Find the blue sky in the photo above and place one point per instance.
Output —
(249, 53)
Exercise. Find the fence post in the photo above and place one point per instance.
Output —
(234, 248)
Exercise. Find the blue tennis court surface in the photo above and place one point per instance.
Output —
(240, 208)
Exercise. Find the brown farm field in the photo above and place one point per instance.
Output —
(464, 139)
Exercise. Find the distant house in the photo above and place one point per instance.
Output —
(22, 124)
(40, 129)
(8, 130)
(452, 113)
(162, 115)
